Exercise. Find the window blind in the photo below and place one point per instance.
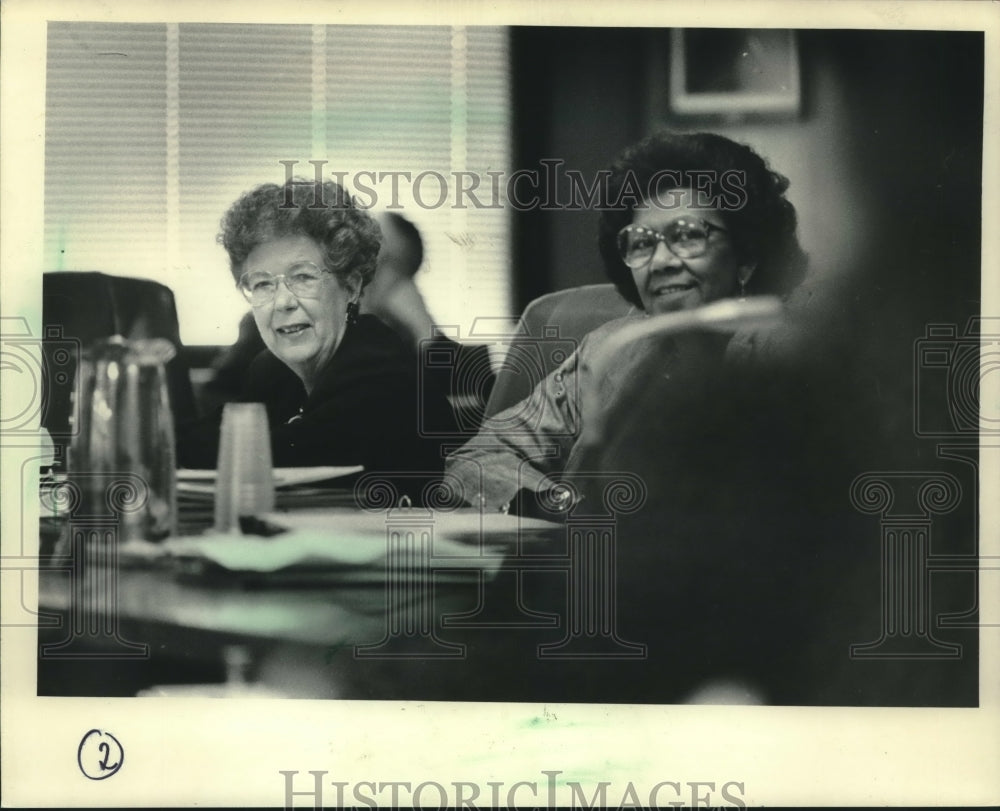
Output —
(153, 130)
(105, 148)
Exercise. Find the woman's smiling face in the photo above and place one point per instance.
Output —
(301, 332)
(668, 283)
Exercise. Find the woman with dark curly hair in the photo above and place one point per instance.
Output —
(689, 219)
(340, 388)
(708, 189)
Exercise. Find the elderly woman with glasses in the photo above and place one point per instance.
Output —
(690, 219)
(340, 388)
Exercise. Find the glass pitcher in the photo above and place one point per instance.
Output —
(122, 458)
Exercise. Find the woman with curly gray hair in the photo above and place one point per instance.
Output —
(340, 388)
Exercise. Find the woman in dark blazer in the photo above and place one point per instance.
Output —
(340, 388)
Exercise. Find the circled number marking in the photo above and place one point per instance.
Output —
(100, 755)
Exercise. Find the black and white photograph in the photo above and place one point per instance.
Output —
(491, 407)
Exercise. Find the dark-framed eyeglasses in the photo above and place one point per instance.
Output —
(685, 238)
(303, 280)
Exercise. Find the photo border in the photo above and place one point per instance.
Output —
(183, 752)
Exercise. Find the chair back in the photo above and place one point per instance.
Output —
(79, 307)
(549, 329)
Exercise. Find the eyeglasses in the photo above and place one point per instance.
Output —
(303, 280)
(685, 238)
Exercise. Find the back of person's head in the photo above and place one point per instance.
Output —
(402, 245)
(737, 181)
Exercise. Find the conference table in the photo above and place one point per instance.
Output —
(327, 598)
(332, 597)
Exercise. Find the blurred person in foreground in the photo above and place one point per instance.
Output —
(694, 219)
(715, 551)
(340, 387)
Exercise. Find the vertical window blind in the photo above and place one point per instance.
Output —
(152, 131)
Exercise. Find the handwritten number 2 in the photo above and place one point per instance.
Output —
(106, 751)
(99, 759)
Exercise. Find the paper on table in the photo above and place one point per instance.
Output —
(319, 547)
(203, 481)
(492, 528)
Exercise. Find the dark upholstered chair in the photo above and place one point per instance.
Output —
(80, 307)
(550, 327)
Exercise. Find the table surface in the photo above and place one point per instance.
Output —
(193, 616)
(647, 621)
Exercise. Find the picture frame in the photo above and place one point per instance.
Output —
(725, 74)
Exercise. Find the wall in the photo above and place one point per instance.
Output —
(889, 118)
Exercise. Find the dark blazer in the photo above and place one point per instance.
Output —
(368, 407)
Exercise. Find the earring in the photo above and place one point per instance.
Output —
(352, 312)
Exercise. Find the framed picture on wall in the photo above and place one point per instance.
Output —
(727, 73)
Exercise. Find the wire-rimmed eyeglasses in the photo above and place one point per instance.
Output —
(303, 280)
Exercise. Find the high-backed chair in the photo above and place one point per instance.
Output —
(78, 307)
(549, 330)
